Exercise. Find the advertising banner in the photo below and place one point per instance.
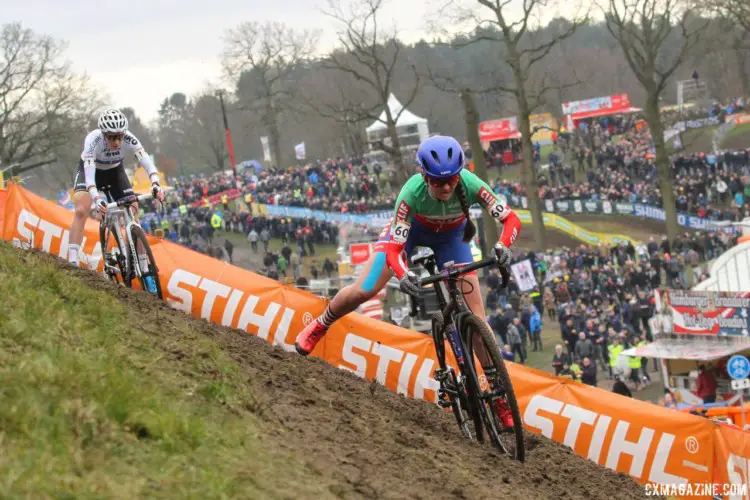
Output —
(650, 443)
(611, 103)
(498, 130)
(707, 313)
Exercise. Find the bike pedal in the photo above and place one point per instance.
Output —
(442, 403)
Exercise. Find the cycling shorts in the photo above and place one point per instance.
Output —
(447, 245)
(113, 181)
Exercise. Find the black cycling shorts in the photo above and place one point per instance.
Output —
(114, 181)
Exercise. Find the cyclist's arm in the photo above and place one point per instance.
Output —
(142, 156)
(400, 226)
(482, 193)
(92, 142)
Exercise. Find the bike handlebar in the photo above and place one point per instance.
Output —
(128, 200)
(458, 271)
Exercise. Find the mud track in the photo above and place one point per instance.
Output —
(365, 441)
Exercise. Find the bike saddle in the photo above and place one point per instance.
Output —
(422, 256)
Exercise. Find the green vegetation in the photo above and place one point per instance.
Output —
(98, 400)
(737, 138)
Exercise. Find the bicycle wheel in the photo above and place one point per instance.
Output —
(510, 441)
(450, 383)
(115, 260)
(143, 249)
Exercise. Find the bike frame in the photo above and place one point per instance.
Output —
(111, 221)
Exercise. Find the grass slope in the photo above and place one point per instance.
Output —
(93, 403)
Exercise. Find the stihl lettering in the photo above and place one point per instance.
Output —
(359, 357)
(35, 232)
(183, 286)
(637, 446)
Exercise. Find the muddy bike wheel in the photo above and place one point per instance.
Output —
(458, 402)
(508, 441)
(140, 242)
(119, 260)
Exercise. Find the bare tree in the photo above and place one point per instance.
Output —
(522, 48)
(643, 29)
(43, 104)
(263, 58)
(736, 12)
(371, 57)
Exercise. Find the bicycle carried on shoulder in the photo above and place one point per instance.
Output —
(471, 397)
(130, 257)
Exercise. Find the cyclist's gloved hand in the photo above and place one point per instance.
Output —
(156, 191)
(101, 204)
(504, 255)
(409, 284)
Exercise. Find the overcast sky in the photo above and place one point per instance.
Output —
(141, 51)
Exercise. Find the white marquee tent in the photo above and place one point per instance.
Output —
(406, 119)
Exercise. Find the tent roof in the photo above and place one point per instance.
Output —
(604, 112)
(699, 351)
(407, 117)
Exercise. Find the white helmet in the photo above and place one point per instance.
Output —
(112, 121)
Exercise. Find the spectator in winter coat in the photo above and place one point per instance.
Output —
(514, 339)
(559, 359)
(584, 347)
(508, 354)
(705, 385)
(588, 374)
(535, 328)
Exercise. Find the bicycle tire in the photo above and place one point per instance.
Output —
(459, 404)
(138, 236)
(473, 324)
(125, 278)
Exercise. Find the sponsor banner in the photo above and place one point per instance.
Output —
(738, 119)
(732, 461)
(498, 130)
(624, 208)
(610, 102)
(685, 220)
(707, 313)
(563, 206)
(650, 443)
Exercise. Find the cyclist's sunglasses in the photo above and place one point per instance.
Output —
(437, 183)
(114, 137)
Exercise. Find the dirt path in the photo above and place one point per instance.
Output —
(367, 442)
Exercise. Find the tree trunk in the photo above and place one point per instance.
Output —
(472, 133)
(402, 174)
(663, 167)
(741, 55)
(273, 134)
(528, 171)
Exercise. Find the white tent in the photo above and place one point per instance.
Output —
(406, 119)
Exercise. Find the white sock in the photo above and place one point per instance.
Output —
(73, 253)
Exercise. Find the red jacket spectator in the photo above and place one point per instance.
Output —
(705, 385)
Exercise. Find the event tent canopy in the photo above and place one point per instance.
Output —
(406, 119)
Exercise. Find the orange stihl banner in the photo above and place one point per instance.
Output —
(650, 443)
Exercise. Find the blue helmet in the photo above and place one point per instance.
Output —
(440, 156)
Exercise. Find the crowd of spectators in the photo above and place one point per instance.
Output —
(601, 297)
